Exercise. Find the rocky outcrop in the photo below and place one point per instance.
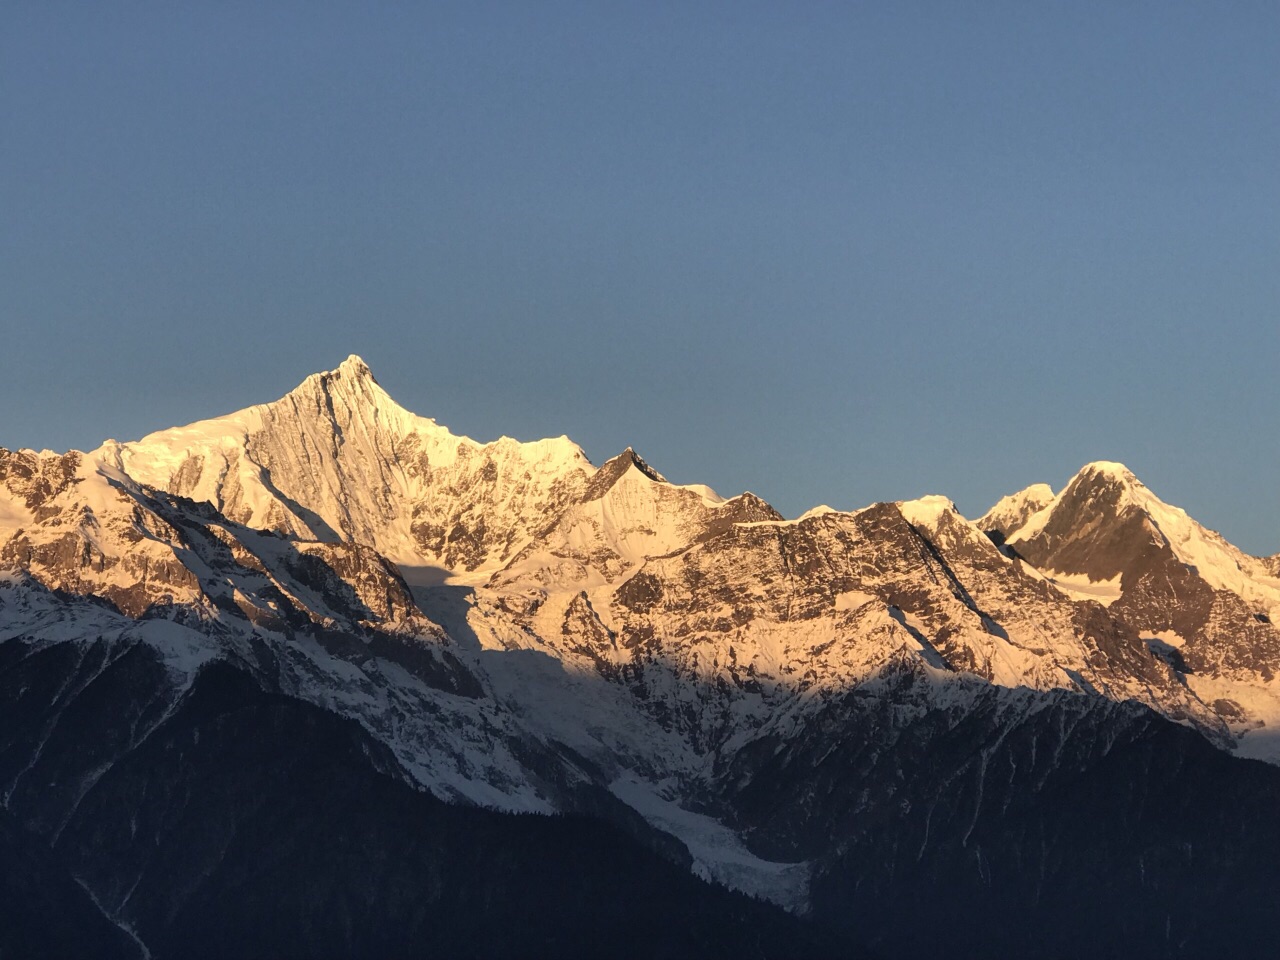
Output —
(1205, 607)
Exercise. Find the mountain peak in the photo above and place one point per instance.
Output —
(353, 371)
(1108, 486)
(612, 470)
(926, 511)
(354, 366)
(1106, 523)
(1011, 512)
(350, 391)
(1097, 498)
(630, 457)
(1110, 470)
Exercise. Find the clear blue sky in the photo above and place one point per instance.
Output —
(831, 253)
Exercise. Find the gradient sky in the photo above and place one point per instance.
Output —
(831, 253)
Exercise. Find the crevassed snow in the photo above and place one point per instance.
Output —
(719, 854)
(853, 599)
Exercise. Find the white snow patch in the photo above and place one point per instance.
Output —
(1257, 730)
(818, 511)
(853, 599)
(1078, 586)
(1170, 638)
(709, 496)
(926, 511)
(183, 650)
(1012, 512)
(719, 854)
(14, 515)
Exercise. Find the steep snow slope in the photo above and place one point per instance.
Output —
(1013, 511)
(627, 513)
(339, 459)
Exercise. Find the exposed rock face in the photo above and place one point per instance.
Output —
(89, 535)
(1207, 608)
(1096, 527)
(863, 716)
(33, 479)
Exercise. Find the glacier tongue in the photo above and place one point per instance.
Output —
(719, 854)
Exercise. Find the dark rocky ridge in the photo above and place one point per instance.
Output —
(1081, 829)
(1093, 531)
(244, 823)
(1096, 530)
(46, 912)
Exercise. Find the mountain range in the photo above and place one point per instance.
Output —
(320, 678)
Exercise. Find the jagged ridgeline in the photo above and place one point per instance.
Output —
(319, 678)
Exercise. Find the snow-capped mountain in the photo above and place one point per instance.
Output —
(1016, 509)
(338, 459)
(1205, 606)
(834, 713)
(627, 513)
(1105, 524)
